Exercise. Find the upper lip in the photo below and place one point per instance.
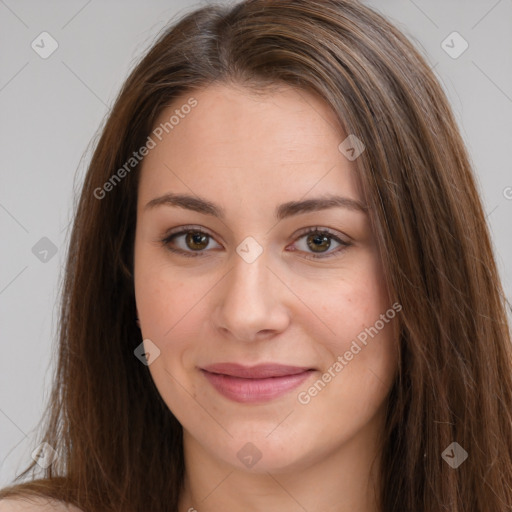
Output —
(260, 371)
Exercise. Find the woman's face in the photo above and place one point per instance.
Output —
(273, 347)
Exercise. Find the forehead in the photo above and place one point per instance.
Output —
(238, 145)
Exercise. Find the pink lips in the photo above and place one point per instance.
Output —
(256, 383)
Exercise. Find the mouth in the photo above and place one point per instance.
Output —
(253, 384)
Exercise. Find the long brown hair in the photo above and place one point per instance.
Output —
(119, 446)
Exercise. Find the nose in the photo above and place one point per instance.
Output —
(251, 301)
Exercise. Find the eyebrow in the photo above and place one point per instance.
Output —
(283, 211)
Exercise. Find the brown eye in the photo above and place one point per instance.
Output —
(318, 242)
(196, 240)
(189, 242)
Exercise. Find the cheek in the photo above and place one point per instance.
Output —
(346, 304)
(156, 297)
(172, 307)
(163, 296)
(168, 306)
(168, 310)
(358, 346)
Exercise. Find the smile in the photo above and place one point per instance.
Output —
(254, 384)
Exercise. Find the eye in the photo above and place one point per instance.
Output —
(192, 241)
(319, 241)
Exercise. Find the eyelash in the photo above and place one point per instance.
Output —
(186, 229)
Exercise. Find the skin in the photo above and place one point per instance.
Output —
(36, 505)
(248, 154)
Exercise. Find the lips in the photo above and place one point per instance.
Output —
(261, 371)
(252, 384)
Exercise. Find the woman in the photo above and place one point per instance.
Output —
(280, 291)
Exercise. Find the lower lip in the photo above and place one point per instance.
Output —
(255, 390)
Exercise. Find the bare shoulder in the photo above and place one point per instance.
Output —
(35, 505)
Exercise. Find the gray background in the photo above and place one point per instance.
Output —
(51, 110)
